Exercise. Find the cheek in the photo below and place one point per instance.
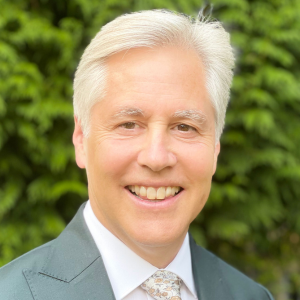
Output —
(113, 157)
(197, 160)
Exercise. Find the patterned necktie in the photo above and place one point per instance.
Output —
(163, 285)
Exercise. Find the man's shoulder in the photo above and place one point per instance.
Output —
(13, 282)
(236, 284)
(240, 283)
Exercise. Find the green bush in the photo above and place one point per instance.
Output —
(251, 219)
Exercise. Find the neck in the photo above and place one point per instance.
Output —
(159, 255)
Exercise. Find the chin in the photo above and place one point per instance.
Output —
(161, 234)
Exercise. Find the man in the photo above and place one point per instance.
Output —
(150, 96)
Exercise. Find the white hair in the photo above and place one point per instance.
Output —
(156, 28)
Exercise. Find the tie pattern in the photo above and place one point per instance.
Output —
(163, 285)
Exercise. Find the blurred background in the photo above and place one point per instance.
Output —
(252, 218)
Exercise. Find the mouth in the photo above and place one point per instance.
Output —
(154, 194)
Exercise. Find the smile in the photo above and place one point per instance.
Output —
(151, 193)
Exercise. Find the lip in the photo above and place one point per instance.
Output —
(154, 205)
(156, 185)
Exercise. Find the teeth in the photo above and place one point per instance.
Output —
(151, 193)
(161, 193)
(154, 194)
(137, 189)
(168, 191)
(143, 191)
(174, 189)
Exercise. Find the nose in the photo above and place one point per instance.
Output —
(156, 153)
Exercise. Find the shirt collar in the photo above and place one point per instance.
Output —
(126, 270)
(182, 266)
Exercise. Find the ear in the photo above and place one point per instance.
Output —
(78, 141)
(216, 154)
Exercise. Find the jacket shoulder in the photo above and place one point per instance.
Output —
(240, 285)
(13, 284)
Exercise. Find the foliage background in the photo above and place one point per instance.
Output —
(252, 217)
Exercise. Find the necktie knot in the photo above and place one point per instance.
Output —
(163, 285)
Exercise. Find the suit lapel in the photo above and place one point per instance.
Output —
(73, 269)
(207, 274)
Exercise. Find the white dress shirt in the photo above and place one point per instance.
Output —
(127, 271)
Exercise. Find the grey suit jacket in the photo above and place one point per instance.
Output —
(71, 268)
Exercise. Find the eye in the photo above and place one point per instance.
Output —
(129, 125)
(184, 127)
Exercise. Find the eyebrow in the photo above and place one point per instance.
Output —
(129, 112)
(191, 114)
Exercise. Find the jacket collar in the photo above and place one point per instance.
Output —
(208, 277)
(74, 269)
(72, 252)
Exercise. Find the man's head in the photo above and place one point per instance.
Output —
(152, 29)
(151, 130)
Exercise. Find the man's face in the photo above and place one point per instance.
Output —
(154, 129)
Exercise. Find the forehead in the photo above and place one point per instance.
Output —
(163, 65)
(165, 77)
